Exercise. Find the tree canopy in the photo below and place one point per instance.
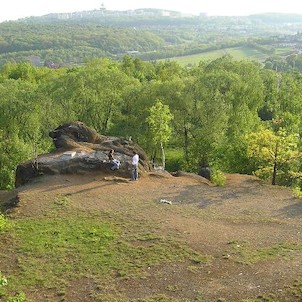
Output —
(221, 109)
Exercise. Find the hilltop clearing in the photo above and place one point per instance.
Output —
(161, 238)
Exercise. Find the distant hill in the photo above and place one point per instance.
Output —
(151, 34)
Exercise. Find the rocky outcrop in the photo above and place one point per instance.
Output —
(81, 150)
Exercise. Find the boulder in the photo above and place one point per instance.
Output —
(205, 172)
(81, 150)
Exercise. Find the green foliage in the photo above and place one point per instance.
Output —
(297, 192)
(12, 151)
(20, 297)
(3, 283)
(3, 222)
(174, 160)
(3, 280)
(159, 122)
(275, 153)
(218, 177)
(215, 106)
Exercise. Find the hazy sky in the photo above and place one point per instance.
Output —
(14, 9)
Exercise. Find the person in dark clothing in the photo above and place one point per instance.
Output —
(115, 163)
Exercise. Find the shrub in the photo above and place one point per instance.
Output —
(174, 160)
(20, 297)
(297, 192)
(218, 177)
(3, 280)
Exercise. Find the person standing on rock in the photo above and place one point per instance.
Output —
(115, 163)
(134, 162)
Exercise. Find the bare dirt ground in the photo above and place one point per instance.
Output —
(216, 221)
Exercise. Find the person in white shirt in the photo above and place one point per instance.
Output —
(134, 171)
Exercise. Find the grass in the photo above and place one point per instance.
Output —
(158, 298)
(238, 53)
(245, 253)
(290, 293)
(281, 51)
(3, 222)
(53, 250)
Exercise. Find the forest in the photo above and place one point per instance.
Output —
(229, 115)
(58, 40)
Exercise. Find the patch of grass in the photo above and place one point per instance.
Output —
(281, 51)
(252, 217)
(238, 53)
(261, 298)
(245, 253)
(289, 293)
(199, 297)
(116, 297)
(158, 298)
(147, 237)
(172, 288)
(52, 251)
(197, 258)
(62, 200)
(19, 297)
(296, 289)
(3, 283)
(3, 222)
(193, 268)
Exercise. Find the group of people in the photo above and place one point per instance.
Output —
(115, 163)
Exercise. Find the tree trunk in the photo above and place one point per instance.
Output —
(186, 144)
(163, 155)
(274, 174)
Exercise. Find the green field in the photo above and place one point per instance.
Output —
(238, 53)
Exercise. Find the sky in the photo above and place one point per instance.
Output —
(16, 9)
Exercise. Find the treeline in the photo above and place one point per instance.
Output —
(229, 115)
(62, 43)
(68, 43)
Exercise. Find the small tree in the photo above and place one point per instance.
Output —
(159, 123)
(273, 152)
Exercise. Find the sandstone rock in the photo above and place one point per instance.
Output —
(81, 150)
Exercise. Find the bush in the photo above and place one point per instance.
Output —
(174, 160)
(3, 280)
(218, 177)
(297, 192)
(20, 297)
